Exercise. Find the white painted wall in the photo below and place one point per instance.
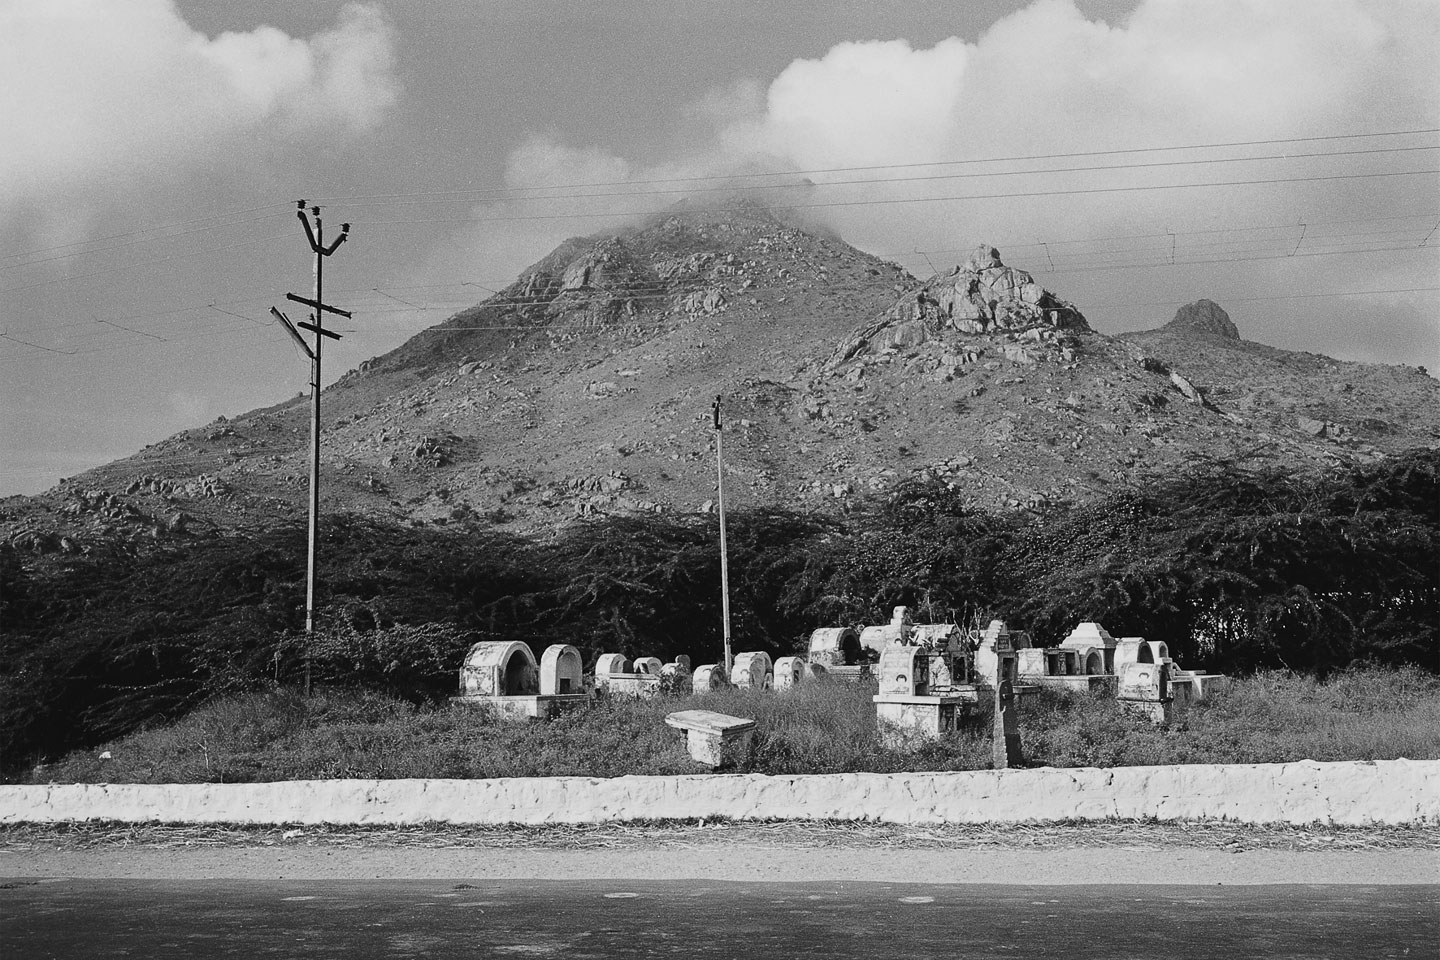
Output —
(1356, 793)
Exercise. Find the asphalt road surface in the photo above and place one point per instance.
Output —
(363, 919)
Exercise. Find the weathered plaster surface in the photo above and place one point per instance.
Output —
(1356, 793)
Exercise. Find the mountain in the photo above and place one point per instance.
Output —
(585, 387)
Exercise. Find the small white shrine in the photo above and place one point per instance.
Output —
(503, 675)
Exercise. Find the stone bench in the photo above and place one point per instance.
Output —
(714, 739)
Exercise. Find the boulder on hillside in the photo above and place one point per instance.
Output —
(1204, 316)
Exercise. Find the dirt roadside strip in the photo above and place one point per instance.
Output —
(100, 836)
(1199, 853)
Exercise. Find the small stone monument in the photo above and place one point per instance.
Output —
(1094, 645)
(752, 671)
(498, 668)
(619, 677)
(709, 678)
(789, 672)
(715, 739)
(561, 670)
(1084, 660)
(1139, 650)
(1145, 691)
(503, 675)
(1007, 728)
(609, 665)
(900, 629)
(906, 707)
(995, 656)
(677, 669)
(838, 651)
(835, 647)
(1184, 685)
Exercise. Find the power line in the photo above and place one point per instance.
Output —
(614, 214)
(1011, 244)
(662, 292)
(142, 235)
(121, 326)
(663, 289)
(6, 336)
(1282, 256)
(218, 329)
(1238, 245)
(169, 258)
(116, 246)
(1007, 244)
(1095, 260)
(908, 166)
(725, 188)
(552, 325)
(806, 205)
(770, 317)
(1288, 296)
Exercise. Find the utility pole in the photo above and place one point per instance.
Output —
(316, 236)
(724, 554)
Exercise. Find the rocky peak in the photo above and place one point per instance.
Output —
(982, 295)
(1204, 316)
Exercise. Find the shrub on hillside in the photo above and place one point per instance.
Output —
(1235, 570)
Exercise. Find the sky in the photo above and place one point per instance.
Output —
(1281, 157)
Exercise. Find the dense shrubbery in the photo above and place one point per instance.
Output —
(1251, 570)
(1234, 570)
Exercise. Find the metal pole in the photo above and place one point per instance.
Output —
(319, 322)
(724, 553)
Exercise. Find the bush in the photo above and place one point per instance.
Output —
(1235, 570)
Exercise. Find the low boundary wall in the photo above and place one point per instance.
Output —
(1350, 793)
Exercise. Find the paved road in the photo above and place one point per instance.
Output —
(687, 863)
(359, 920)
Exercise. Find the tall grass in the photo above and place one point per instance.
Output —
(1362, 714)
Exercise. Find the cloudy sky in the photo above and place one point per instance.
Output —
(1278, 156)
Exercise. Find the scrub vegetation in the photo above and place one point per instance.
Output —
(1369, 713)
(1236, 570)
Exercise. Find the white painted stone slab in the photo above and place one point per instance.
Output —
(1350, 793)
(709, 721)
(714, 739)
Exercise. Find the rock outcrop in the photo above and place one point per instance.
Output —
(982, 295)
(1204, 316)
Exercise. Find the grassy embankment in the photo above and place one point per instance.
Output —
(1233, 568)
(1363, 714)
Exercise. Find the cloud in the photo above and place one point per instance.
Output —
(865, 103)
(188, 407)
(555, 191)
(100, 98)
(1046, 81)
